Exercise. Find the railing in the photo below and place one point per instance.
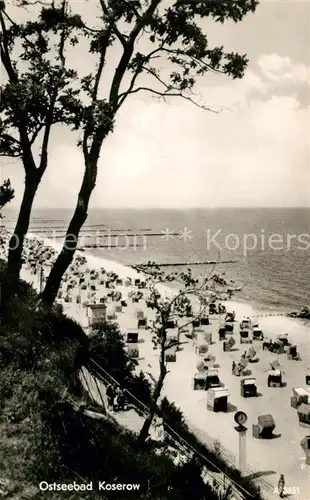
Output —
(216, 477)
(231, 459)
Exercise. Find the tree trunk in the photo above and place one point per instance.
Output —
(66, 255)
(153, 407)
(17, 240)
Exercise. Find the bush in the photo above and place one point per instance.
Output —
(107, 347)
(103, 451)
(140, 387)
(173, 416)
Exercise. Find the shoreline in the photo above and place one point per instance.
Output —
(112, 264)
(261, 308)
(284, 453)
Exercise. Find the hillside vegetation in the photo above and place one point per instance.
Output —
(44, 434)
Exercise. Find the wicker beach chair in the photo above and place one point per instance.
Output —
(303, 413)
(133, 350)
(264, 427)
(305, 444)
(199, 381)
(251, 355)
(171, 355)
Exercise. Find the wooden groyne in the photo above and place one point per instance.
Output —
(101, 233)
(174, 264)
(98, 245)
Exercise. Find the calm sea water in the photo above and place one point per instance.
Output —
(274, 274)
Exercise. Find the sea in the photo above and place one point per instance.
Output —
(266, 251)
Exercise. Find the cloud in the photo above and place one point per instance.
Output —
(252, 82)
(255, 152)
(180, 156)
(280, 69)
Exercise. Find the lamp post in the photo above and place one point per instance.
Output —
(240, 419)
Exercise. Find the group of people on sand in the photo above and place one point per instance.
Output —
(116, 398)
(281, 486)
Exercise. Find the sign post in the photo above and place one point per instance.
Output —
(241, 418)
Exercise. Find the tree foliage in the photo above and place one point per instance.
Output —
(6, 194)
(43, 88)
(162, 47)
(188, 303)
(108, 347)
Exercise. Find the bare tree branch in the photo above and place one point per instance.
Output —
(152, 55)
(190, 322)
(122, 97)
(164, 95)
(173, 343)
(202, 64)
(169, 92)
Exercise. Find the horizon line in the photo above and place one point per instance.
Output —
(238, 207)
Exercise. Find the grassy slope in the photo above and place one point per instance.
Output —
(43, 436)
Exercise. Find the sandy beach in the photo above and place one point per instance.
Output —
(283, 454)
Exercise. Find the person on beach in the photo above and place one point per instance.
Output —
(281, 486)
(154, 341)
(119, 400)
(115, 399)
(110, 396)
(233, 367)
(194, 487)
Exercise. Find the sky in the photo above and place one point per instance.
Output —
(254, 152)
